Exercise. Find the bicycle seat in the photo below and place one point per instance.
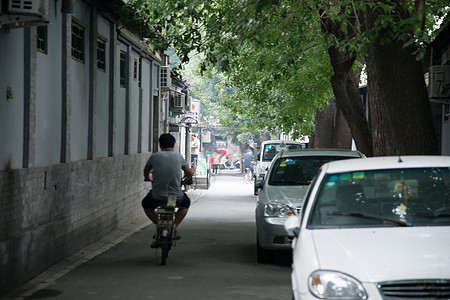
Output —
(171, 201)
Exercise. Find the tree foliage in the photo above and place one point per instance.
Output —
(274, 61)
(275, 54)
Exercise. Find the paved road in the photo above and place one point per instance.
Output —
(215, 259)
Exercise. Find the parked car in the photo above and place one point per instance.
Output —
(375, 228)
(266, 153)
(282, 193)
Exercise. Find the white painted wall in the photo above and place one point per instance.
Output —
(119, 113)
(146, 104)
(102, 94)
(134, 104)
(11, 111)
(79, 91)
(48, 94)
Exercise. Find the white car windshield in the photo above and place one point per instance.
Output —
(408, 197)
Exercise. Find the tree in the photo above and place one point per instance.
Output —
(210, 88)
(399, 106)
(280, 55)
(280, 79)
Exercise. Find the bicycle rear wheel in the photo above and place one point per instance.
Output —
(165, 247)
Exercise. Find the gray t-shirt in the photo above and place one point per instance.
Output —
(247, 157)
(166, 168)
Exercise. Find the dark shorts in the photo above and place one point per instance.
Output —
(149, 203)
(194, 159)
(248, 166)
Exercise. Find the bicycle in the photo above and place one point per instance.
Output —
(165, 233)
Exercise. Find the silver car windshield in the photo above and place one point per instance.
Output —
(298, 170)
(409, 197)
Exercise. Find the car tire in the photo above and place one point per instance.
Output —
(263, 256)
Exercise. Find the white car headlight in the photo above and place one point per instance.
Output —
(335, 285)
(276, 209)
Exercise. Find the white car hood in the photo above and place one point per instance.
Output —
(289, 194)
(383, 254)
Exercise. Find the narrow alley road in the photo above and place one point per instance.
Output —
(215, 259)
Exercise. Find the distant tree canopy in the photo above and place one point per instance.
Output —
(285, 59)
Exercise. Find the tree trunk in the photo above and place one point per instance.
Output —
(331, 130)
(342, 136)
(348, 99)
(324, 131)
(400, 111)
(345, 86)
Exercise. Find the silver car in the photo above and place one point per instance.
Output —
(282, 192)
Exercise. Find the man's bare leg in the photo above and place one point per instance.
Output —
(179, 216)
(152, 215)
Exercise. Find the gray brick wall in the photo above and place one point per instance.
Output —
(49, 213)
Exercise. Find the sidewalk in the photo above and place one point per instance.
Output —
(48, 278)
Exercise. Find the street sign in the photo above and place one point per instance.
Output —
(195, 110)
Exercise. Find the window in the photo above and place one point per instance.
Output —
(390, 197)
(78, 42)
(101, 56)
(42, 39)
(140, 73)
(123, 56)
(270, 150)
(299, 170)
(135, 69)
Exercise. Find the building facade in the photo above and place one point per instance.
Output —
(81, 109)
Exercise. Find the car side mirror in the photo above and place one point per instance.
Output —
(292, 226)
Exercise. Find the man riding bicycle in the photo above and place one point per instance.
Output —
(166, 166)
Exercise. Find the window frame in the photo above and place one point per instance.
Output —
(101, 64)
(135, 69)
(78, 53)
(42, 40)
(122, 65)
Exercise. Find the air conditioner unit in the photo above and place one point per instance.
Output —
(32, 7)
(22, 13)
(166, 79)
(179, 101)
(439, 83)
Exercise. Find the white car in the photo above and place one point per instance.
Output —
(374, 228)
(282, 193)
(266, 153)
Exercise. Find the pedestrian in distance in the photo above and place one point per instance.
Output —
(195, 151)
(215, 162)
(247, 158)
